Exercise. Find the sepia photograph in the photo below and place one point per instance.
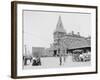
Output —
(53, 39)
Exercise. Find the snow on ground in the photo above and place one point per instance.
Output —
(54, 62)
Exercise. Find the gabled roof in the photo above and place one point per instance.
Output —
(59, 27)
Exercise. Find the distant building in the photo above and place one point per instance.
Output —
(38, 51)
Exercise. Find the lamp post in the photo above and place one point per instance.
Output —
(60, 57)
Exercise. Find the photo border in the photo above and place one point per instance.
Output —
(14, 37)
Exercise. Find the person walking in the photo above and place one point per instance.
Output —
(60, 60)
(60, 57)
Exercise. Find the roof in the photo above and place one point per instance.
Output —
(76, 42)
(79, 44)
(59, 27)
(77, 51)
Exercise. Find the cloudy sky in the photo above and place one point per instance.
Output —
(38, 26)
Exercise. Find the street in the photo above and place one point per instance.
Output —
(54, 62)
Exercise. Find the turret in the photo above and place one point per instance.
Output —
(59, 31)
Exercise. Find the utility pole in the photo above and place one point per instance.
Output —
(25, 50)
(60, 56)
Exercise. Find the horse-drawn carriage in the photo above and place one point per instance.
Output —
(29, 60)
(36, 61)
(79, 56)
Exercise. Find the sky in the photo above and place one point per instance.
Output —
(38, 26)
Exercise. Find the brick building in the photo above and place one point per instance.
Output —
(65, 43)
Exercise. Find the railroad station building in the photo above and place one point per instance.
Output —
(65, 43)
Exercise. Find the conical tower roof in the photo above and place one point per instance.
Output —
(59, 27)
